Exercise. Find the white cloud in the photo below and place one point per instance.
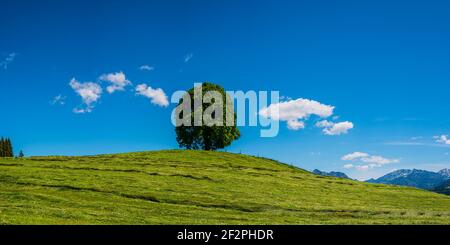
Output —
(354, 155)
(89, 92)
(58, 100)
(416, 138)
(379, 160)
(295, 125)
(297, 109)
(157, 96)
(338, 128)
(188, 57)
(81, 110)
(293, 111)
(117, 80)
(442, 139)
(368, 161)
(146, 68)
(332, 128)
(324, 124)
(362, 167)
(348, 166)
(10, 58)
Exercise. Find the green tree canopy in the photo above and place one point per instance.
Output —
(6, 149)
(206, 137)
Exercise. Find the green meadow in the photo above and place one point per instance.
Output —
(199, 187)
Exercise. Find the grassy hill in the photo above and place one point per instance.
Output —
(197, 187)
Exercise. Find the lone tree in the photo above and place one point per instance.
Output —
(208, 118)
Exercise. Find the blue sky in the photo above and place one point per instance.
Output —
(383, 65)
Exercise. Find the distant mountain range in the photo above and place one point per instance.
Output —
(332, 174)
(415, 178)
(443, 188)
(445, 172)
(433, 181)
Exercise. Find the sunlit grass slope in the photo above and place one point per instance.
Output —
(198, 187)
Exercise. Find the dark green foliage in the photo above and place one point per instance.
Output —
(443, 188)
(6, 149)
(207, 137)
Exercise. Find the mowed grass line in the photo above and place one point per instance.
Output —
(199, 187)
